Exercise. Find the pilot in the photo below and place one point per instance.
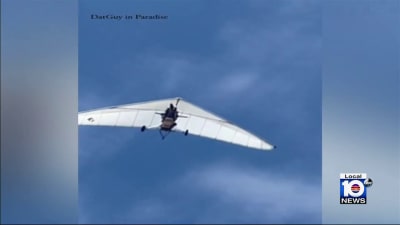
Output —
(170, 112)
(173, 111)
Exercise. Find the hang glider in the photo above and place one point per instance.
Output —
(172, 115)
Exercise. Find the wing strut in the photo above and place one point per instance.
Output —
(164, 134)
(177, 102)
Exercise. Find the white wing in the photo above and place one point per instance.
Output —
(194, 119)
(131, 115)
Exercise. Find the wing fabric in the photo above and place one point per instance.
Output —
(202, 123)
(195, 119)
(131, 115)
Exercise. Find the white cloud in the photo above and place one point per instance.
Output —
(102, 143)
(237, 83)
(170, 69)
(257, 196)
(237, 195)
(260, 45)
(149, 211)
(300, 6)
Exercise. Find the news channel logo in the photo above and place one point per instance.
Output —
(353, 188)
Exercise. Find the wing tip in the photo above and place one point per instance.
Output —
(271, 148)
(267, 146)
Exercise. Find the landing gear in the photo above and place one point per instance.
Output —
(143, 128)
(186, 132)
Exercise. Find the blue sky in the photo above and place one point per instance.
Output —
(257, 63)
